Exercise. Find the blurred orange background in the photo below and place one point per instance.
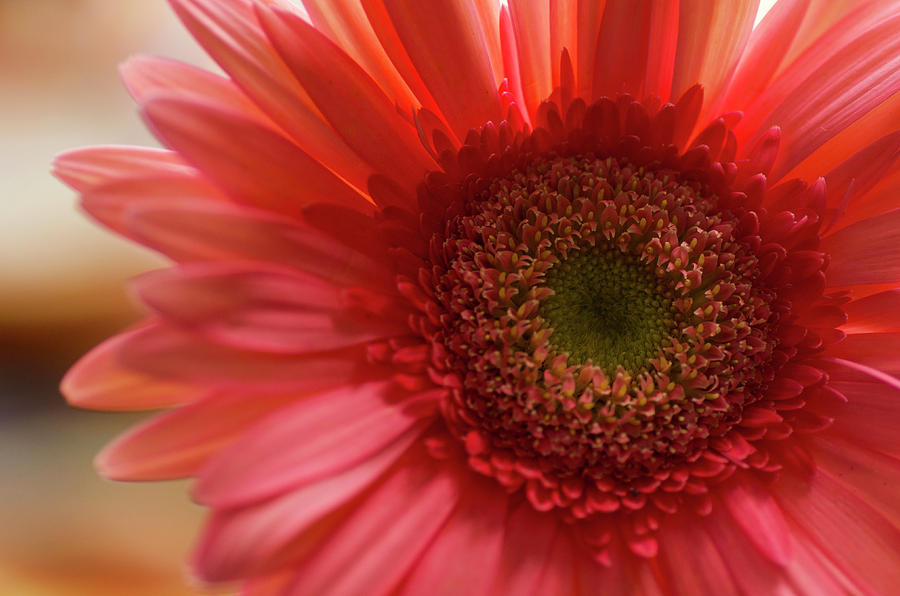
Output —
(63, 530)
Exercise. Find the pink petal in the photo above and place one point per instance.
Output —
(268, 309)
(253, 539)
(613, 578)
(620, 58)
(99, 381)
(663, 45)
(529, 20)
(182, 357)
(839, 91)
(445, 42)
(758, 515)
(558, 576)
(754, 574)
(878, 313)
(813, 572)
(690, 560)
(385, 535)
(177, 443)
(112, 177)
(871, 476)
(768, 42)
(527, 550)
(880, 351)
(230, 32)
(863, 133)
(711, 37)
(848, 183)
(265, 169)
(853, 535)
(187, 229)
(348, 98)
(824, 17)
(463, 557)
(317, 437)
(867, 252)
(563, 34)
(146, 76)
(870, 417)
(588, 23)
(848, 23)
(96, 167)
(346, 24)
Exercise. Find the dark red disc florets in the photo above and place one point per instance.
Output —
(618, 323)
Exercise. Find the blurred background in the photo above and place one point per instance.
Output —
(63, 530)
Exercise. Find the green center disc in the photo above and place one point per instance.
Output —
(607, 308)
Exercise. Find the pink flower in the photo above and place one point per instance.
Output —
(546, 298)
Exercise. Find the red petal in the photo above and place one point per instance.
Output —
(759, 61)
(856, 538)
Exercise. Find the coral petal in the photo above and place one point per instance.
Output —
(445, 42)
(317, 437)
(265, 169)
(100, 381)
(759, 516)
(526, 550)
(252, 307)
(176, 444)
(463, 557)
(679, 562)
(230, 32)
(848, 85)
(349, 99)
(402, 516)
(878, 313)
(867, 252)
(196, 230)
(173, 354)
(848, 530)
(244, 541)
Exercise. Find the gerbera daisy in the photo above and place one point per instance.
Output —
(547, 297)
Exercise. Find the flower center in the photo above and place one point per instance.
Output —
(600, 323)
(607, 308)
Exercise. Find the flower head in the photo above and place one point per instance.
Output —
(541, 298)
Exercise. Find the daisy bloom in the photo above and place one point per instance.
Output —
(534, 297)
